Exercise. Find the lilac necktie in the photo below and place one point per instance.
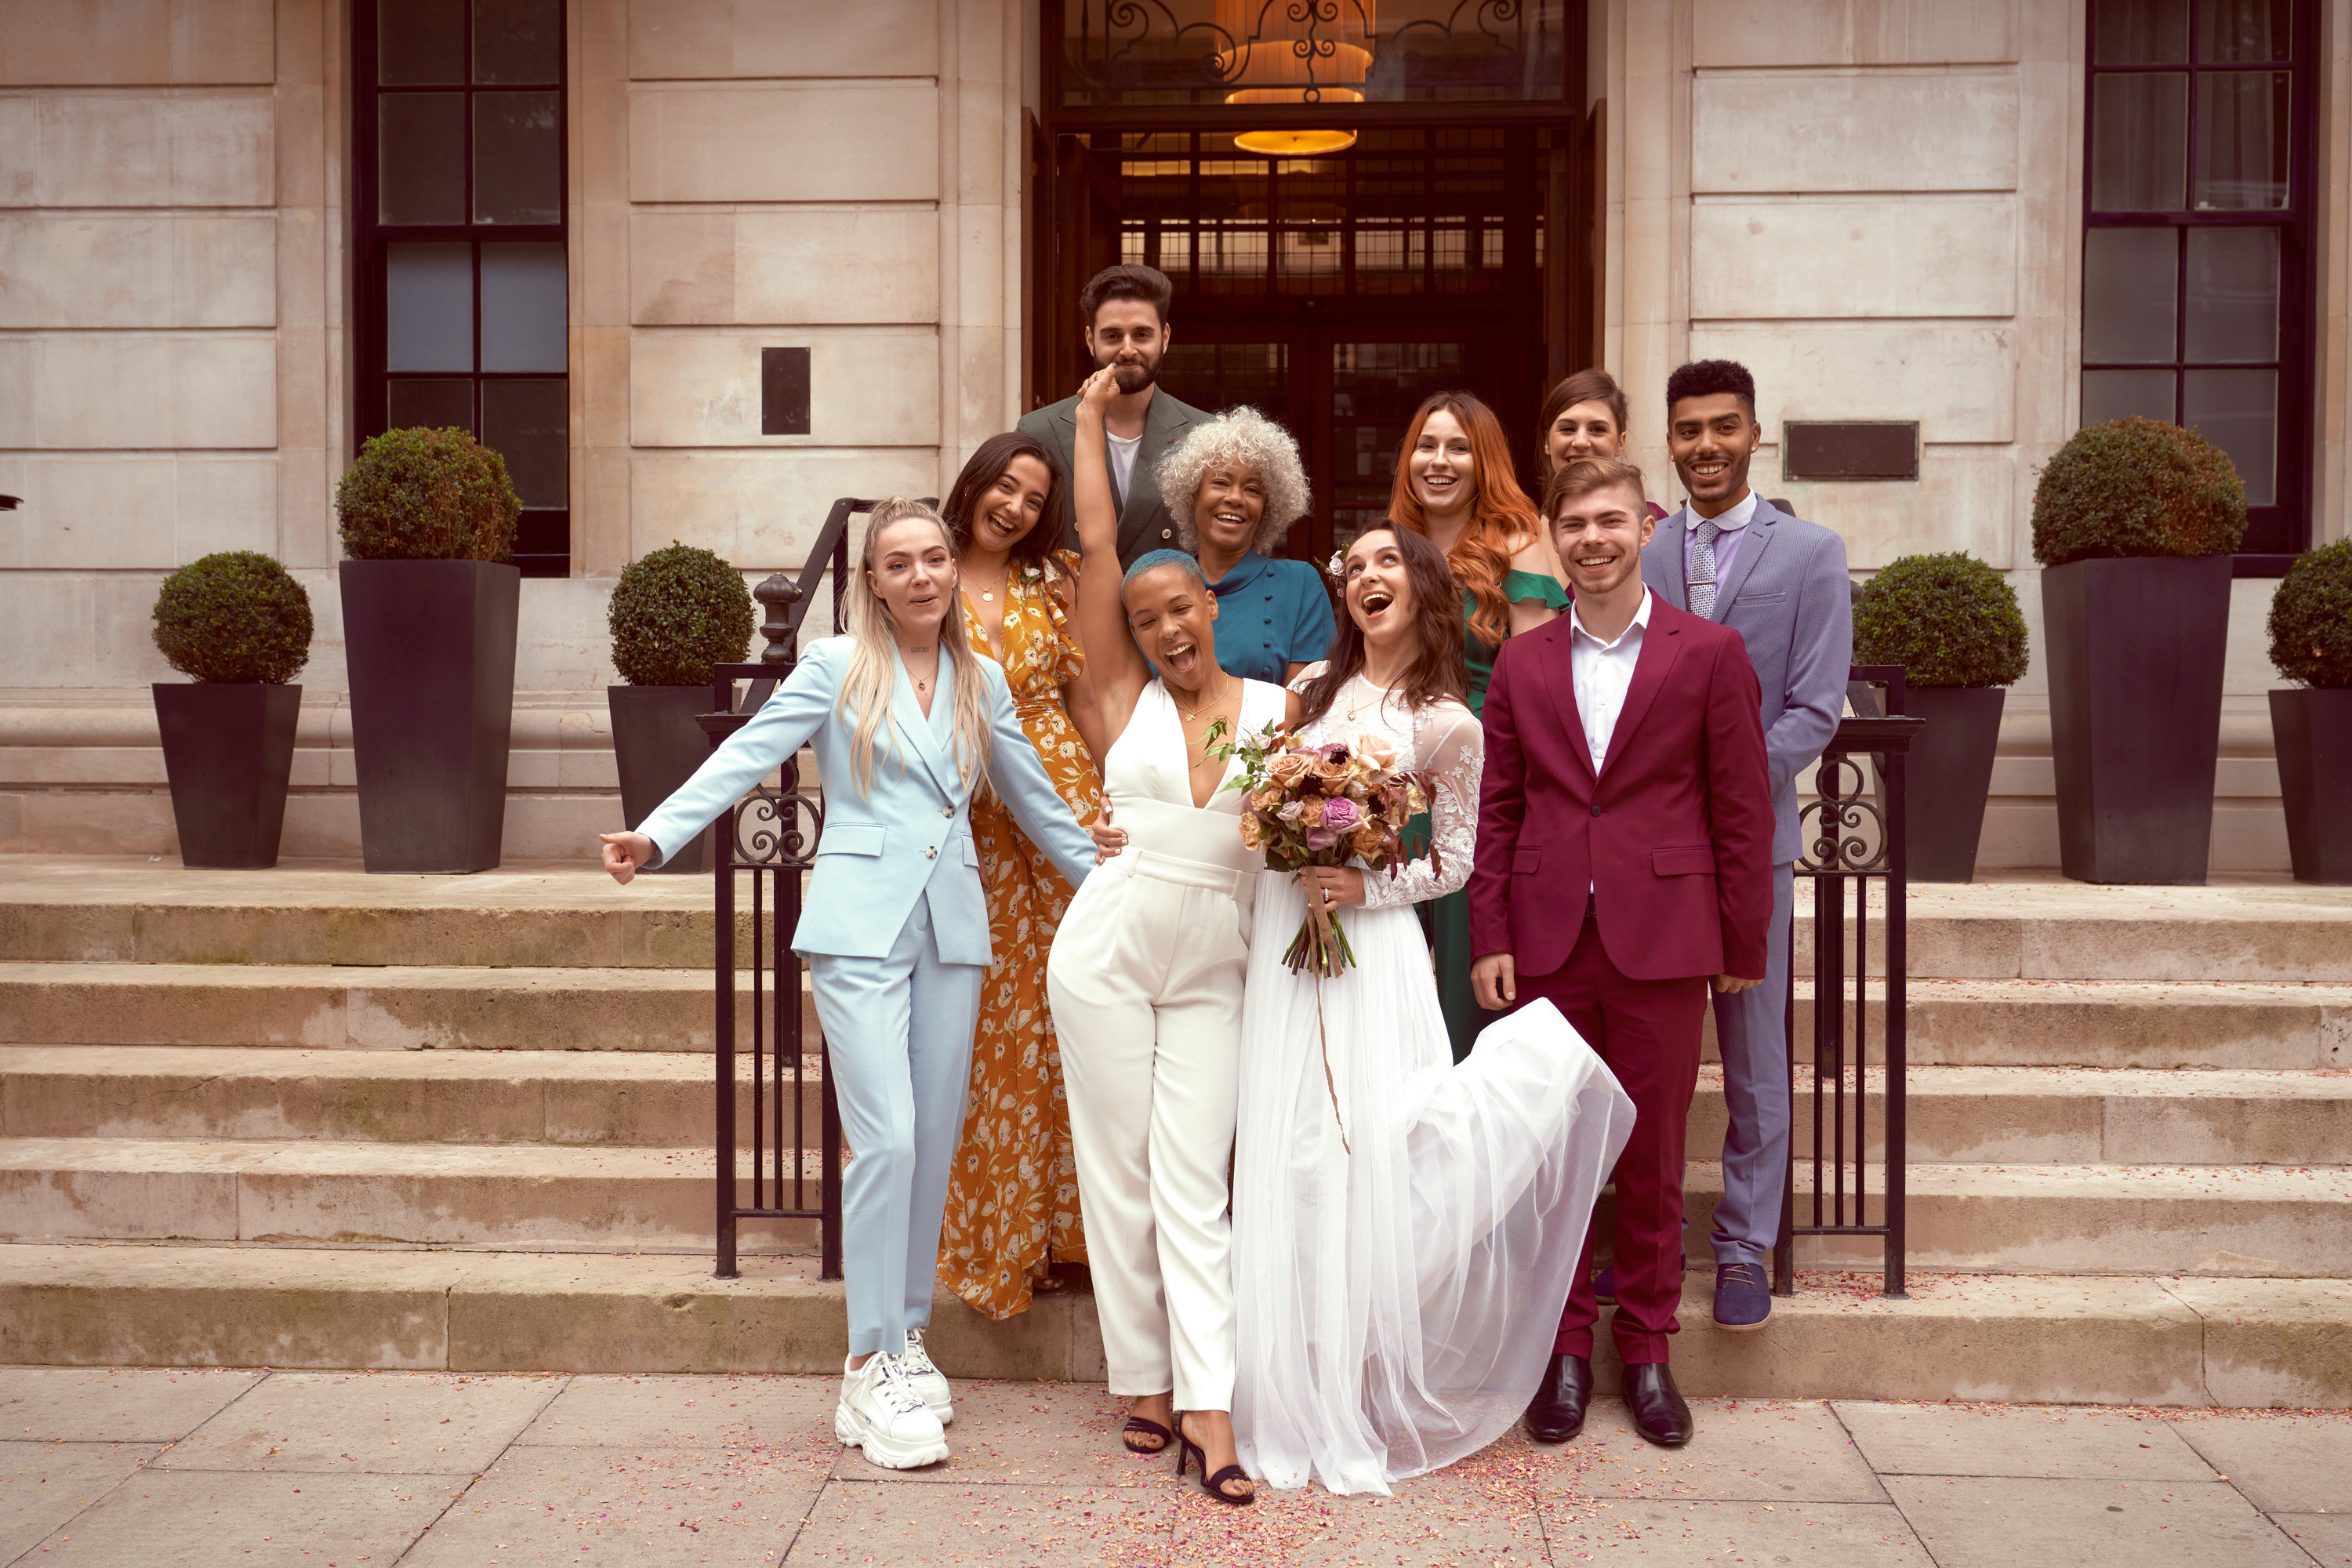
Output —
(1702, 573)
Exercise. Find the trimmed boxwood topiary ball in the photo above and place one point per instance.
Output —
(427, 495)
(2137, 486)
(1948, 620)
(675, 614)
(236, 615)
(2311, 618)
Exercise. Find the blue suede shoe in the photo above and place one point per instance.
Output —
(1604, 1286)
(1742, 1299)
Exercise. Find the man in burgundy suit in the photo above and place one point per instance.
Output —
(1624, 761)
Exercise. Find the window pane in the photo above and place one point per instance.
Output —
(2241, 137)
(528, 425)
(518, 41)
(2237, 410)
(2243, 30)
(2233, 294)
(517, 167)
(428, 297)
(419, 41)
(421, 157)
(429, 406)
(2113, 393)
(2139, 141)
(2139, 32)
(523, 307)
(2131, 280)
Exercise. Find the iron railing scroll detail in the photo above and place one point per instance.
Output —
(766, 843)
(1851, 837)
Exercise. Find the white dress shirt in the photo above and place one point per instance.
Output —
(1604, 673)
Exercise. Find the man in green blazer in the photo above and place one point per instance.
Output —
(1125, 310)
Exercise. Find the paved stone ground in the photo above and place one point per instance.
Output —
(157, 1468)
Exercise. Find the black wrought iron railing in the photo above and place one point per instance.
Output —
(764, 845)
(1851, 842)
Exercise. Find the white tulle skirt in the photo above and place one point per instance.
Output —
(1397, 1296)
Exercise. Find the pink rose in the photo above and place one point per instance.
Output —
(1342, 814)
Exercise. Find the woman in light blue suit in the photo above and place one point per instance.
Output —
(905, 721)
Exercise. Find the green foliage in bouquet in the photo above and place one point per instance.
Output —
(1948, 620)
(235, 616)
(676, 612)
(2311, 618)
(2137, 486)
(427, 495)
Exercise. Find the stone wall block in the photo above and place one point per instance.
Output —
(686, 39)
(17, 357)
(20, 148)
(56, 42)
(122, 607)
(136, 270)
(774, 142)
(126, 390)
(225, 271)
(1961, 500)
(1842, 257)
(869, 387)
(96, 511)
(824, 265)
(1853, 32)
(1957, 378)
(762, 510)
(225, 503)
(682, 268)
(181, 149)
(1848, 129)
(47, 628)
(306, 519)
(303, 145)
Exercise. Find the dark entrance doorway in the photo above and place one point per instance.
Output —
(1441, 240)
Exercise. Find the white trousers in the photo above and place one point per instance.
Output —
(1145, 983)
(897, 1036)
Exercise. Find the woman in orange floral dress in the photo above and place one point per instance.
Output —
(1013, 1195)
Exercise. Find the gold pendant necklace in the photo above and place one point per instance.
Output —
(1203, 708)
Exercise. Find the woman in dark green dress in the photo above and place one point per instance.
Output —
(1453, 484)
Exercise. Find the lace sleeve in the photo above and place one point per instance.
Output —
(1307, 674)
(1447, 744)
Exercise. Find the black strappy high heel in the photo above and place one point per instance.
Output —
(1212, 1485)
(1139, 1425)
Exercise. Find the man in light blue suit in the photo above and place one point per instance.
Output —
(906, 723)
(1780, 582)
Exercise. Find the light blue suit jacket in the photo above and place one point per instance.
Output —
(911, 837)
(1788, 595)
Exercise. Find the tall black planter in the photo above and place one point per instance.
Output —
(2135, 650)
(431, 650)
(229, 749)
(2313, 732)
(658, 745)
(1948, 776)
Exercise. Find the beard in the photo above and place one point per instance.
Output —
(1133, 378)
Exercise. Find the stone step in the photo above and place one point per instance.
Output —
(436, 1195)
(2242, 1024)
(606, 1098)
(659, 1100)
(335, 1008)
(2291, 1222)
(104, 910)
(2033, 1339)
(2076, 1116)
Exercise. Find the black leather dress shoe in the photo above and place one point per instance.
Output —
(1656, 1405)
(1555, 1414)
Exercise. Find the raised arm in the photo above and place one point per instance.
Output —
(1078, 699)
(1114, 664)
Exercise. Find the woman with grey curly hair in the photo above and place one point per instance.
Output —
(1235, 486)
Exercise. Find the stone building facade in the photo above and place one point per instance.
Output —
(209, 287)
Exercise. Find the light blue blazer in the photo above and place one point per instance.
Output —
(911, 837)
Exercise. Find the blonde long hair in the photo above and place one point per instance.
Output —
(865, 701)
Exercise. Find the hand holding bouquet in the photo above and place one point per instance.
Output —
(1323, 805)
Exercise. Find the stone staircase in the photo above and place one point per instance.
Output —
(312, 1118)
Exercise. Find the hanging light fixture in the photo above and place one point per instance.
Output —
(1310, 70)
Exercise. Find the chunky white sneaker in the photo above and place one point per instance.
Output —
(928, 1380)
(881, 1413)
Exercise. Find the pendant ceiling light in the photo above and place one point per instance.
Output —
(1306, 70)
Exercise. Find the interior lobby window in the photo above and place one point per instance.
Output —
(2197, 282)
(460, 230)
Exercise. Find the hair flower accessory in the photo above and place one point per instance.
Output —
(1337, 563)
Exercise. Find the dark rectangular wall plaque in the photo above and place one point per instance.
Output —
(784, 391)
(1854, 449)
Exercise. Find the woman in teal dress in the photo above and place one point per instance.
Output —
(1453, 483)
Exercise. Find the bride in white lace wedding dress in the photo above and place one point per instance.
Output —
(1404, 1230)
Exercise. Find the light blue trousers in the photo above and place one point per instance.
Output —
(1751, 1032)
(897, 1033)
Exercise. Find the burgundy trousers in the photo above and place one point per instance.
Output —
(1648, 1033)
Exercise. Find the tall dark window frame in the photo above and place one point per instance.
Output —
(543, 542)
(2278, 531)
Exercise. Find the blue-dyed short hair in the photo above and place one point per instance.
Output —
(1154, 560)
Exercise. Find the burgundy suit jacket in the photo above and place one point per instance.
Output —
(1674, 836)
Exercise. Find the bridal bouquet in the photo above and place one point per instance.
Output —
(1323, 805)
